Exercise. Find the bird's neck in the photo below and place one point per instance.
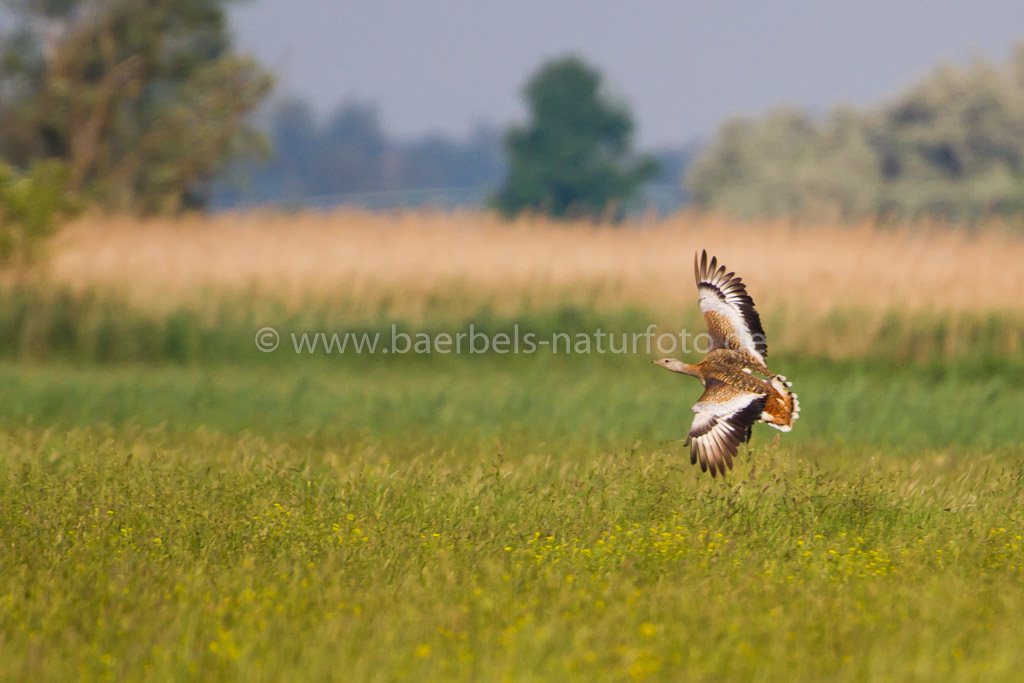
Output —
(685, 369)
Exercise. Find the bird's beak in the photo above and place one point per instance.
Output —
(654, 362)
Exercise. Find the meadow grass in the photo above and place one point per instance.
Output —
(502, 518)
(562, 407)
(177, 505)
(142, 554)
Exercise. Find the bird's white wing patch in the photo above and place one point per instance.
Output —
(733, 322)
(720, 426)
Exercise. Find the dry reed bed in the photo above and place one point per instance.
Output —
(406, 261)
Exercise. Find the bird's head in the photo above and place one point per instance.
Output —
(672, 364)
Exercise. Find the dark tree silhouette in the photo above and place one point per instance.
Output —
(574, 156)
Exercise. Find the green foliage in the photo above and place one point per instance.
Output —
(143, 100)
(31, 207)
(951, 146)
(574, 157)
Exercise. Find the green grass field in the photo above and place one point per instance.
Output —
(197, 510)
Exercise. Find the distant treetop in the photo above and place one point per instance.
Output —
(573, 157)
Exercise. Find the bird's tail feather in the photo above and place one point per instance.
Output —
(783, 407)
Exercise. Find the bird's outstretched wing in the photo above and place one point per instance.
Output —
(729, 311)
(723, 421)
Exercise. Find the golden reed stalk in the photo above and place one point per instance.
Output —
(405, 261)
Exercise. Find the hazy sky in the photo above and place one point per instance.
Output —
(445, 65)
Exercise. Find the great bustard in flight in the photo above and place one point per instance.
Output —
(735, 395)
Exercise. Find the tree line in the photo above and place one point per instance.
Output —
(144, 106)
(950, 146)
(348, 154)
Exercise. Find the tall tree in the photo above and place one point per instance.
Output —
(143, 99)
(574, 156)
